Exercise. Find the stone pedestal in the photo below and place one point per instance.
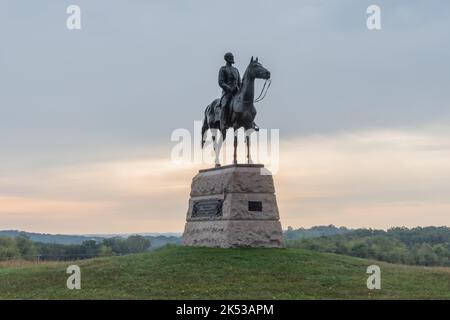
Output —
(233, 206)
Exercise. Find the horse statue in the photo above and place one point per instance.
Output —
(242, 110)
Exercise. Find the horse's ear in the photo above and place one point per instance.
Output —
(251, 60)
(256, 59)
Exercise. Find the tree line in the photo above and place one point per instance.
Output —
(427, 246)
(22, 247)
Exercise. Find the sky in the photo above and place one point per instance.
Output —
(86, 116)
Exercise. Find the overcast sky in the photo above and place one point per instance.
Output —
(86, 116)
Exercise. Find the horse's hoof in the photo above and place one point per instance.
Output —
(217, 165)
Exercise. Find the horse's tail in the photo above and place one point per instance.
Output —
(205, 126)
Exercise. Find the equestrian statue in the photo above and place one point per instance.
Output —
(235, 109)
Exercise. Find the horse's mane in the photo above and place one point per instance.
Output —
(245, 73)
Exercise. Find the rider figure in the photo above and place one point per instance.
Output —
(230, 82)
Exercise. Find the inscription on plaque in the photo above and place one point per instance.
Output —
(209, 208)
(255, 206)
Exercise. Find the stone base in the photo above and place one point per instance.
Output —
(233, 206)
(233, 233)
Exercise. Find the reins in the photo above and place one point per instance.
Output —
(261, 96)
(263, 93)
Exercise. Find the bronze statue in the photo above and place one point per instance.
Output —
(236, 107)
(230, 82)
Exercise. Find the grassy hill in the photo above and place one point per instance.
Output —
(201, 273)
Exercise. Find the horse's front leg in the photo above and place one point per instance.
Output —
(249, 156)
(217, 146)
(235, 148)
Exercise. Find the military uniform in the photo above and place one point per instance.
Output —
(230, 82)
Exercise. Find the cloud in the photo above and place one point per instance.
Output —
(138, 70)
(376, 178)
(372, 178)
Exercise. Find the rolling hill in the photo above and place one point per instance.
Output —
(201, 273)
(156, 240)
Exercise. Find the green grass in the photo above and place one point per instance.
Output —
(202, 273)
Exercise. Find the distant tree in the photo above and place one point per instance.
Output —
(360, 249)
(8, 249)
(117, 244)
(105, 251)
(133, 244)
(26, 247)
(137, 243)
(428, 246)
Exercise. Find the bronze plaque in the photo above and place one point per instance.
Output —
(255, 206)
(210, 208)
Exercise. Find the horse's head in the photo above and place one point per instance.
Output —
(256, 70)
